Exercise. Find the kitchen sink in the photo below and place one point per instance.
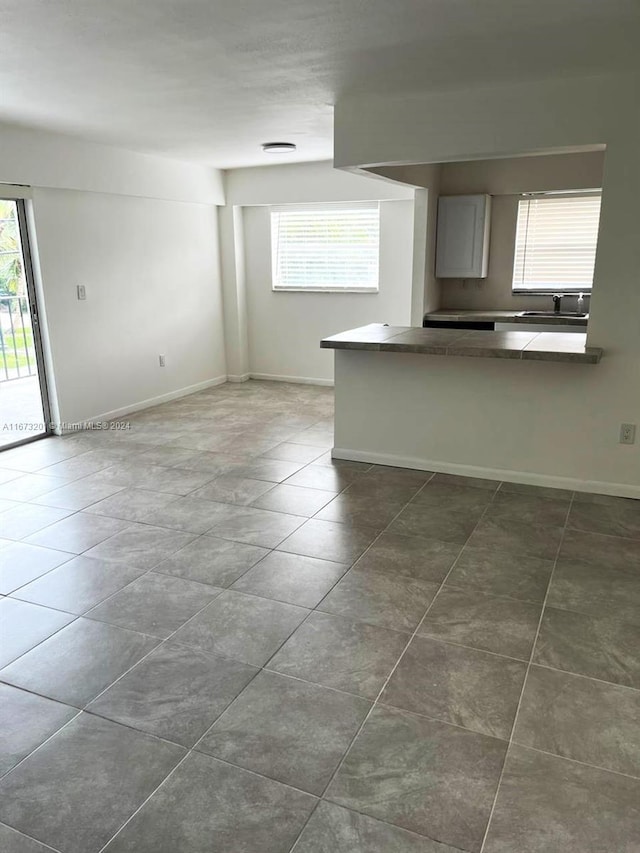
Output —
(550, 314)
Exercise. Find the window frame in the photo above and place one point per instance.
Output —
(561, 289)
(321, 207)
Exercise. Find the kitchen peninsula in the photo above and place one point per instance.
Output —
(477, 403)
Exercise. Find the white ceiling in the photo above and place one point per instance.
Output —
(210, 80)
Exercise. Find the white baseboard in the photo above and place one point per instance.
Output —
(238, 377)
(624, 490)
(297, 380)
(148, 404)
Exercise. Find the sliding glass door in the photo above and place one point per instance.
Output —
(24, 405)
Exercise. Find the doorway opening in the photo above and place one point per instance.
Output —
(24, 402)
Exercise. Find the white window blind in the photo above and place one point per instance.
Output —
(326, 247)
(556, 242)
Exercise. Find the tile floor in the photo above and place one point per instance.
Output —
(215, 640)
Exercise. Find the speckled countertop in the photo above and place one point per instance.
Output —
(529, 346)
(453, 314)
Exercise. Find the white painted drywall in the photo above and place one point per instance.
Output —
(571, 415)
(140, 233)
(52, 160)
(278, 334)
(497, 418)
(285, 329)
(151, 274)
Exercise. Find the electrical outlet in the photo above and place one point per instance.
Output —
(627, 434)
(81, 291)
(162, 360)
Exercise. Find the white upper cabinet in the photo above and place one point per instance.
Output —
(462, 245)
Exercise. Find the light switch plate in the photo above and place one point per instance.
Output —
(81, 291)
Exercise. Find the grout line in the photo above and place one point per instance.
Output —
(51, 736)
(32, 838)
(599, 767)
(526, 678)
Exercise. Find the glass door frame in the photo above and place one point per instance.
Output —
(32, 301)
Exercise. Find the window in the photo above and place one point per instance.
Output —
(326, 247)
(556, 242)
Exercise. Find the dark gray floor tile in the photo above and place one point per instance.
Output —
(175, 693)
(207, 806)
(216, 464)
(361, 509)
(78, 662)
(384, 487)
(473, 689)
(325, 478)
(582, 719)
(288, 730)
(232, 489)
(26, 721)
(596, 589)
(131, 504)
(154, 604)
(499, 625)
(271, 470)
(332, 829)
(293, 452)
(296, 500)
(611, 551)
(466, 482)
(433, 522)
(22, 563)
(460, 498)
(426, 776)
(175, 481)
(79, 787)
(23, 626)
(25, 519)
(380, 598)
(243, 627)
(256, 526)
(141, 545)
(613, 519)
(207, 559)
(529, 509)
(12, 841)
(410, 556)
(191, 514)
(336, 652)
(327, 540)
(502, 573)
(291, 578)
(79, 584)
(517, 537)
(77, 533)
(551, 805)
(389, 474)
(597, 646)
(541, 491)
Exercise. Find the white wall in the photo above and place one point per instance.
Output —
(36, 158)
(285, 329)
(150, 269)
(513, 120)
(278, 334)
(141, 234)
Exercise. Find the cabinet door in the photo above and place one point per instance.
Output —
(462, 248)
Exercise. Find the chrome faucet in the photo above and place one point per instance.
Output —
(557, 303)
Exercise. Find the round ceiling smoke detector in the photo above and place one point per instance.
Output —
(278, 147)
